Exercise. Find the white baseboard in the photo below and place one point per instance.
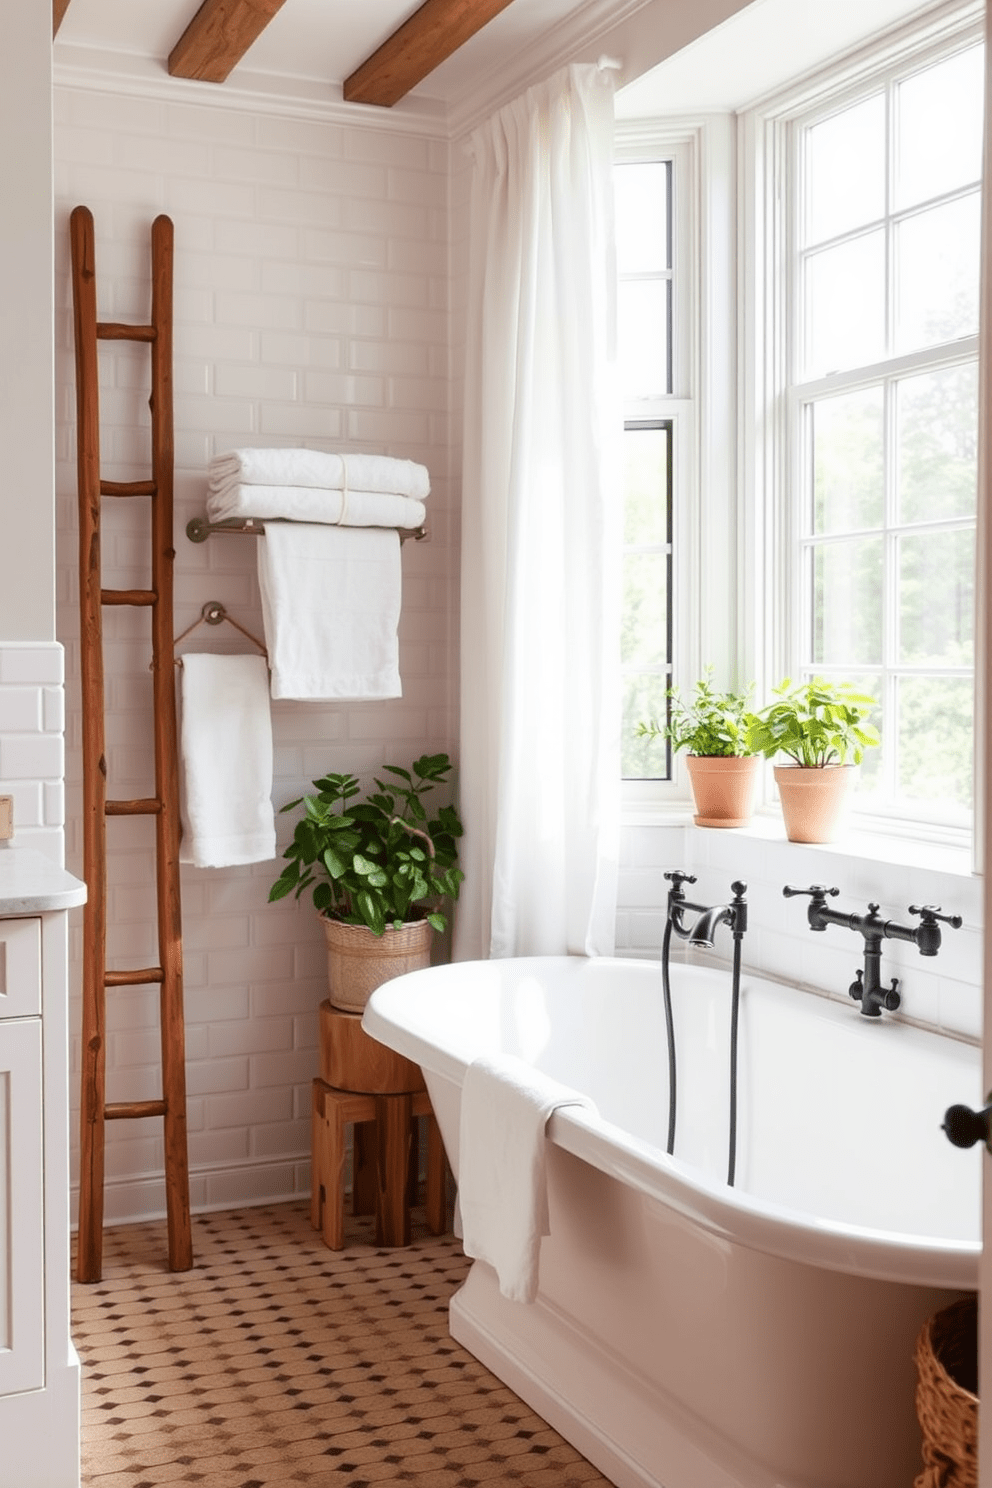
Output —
(243, 1185)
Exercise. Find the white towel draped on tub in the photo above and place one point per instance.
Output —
(316, 504)
(226, 751)
(307, 467)
(502, 1186)
(331, 606)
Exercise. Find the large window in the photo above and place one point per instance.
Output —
(644, 196)
(883, 208)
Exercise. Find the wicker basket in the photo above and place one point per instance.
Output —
(359, 961)
(946, 1396)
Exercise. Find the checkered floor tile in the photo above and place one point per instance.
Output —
(276, 1361)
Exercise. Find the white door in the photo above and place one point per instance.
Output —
(22, 1317)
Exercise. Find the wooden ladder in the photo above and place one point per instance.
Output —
(164, 805)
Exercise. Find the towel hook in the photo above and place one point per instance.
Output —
(213, 613)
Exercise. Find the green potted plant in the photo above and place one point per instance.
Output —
(823, 729)
(712, 727)
(379, 868)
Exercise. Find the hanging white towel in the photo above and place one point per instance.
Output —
(502, 1185)
(307, 467)
(316, 504)
(331, 607)
(226, 751)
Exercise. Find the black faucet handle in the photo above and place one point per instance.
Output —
(930, 914)
(817, 892)
(677, 878)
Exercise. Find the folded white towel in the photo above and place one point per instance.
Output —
(315, 504)
(226, 749)
(331, 606)
(502, 1186)
(306, 467)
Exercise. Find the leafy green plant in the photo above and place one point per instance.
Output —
(816, 724)
(711, 723)
(379, 862)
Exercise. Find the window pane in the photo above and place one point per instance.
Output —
(644, 700)
(646, 486)
(641, 194)
(845, 163)
(845, 305)
(848, 473)
(937, 597)
(869, 775)
(847, 603)
(642, 316)
(937, 433)
(939, 129)
(644, 627)
(935, 741)
(937, 274)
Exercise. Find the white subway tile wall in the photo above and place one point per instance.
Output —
(943, 992)
(311, 306)
(31, 743)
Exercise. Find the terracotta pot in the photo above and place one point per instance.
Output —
(358, 961)
(724, 789)
(813, 800)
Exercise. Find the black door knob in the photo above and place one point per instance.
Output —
(965, 1127)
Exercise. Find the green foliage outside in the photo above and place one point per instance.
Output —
(926, 720)
(382, 861)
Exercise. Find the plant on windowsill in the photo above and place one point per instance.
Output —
(712, 727)
(822, 727)
(379, 869)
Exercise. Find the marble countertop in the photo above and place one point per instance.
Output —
(30, 883)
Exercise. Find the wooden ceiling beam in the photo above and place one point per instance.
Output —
(59, 8)
(218, 36)
(422, 43)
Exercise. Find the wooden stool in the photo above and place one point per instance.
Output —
(388, 1183)
(380, 1093)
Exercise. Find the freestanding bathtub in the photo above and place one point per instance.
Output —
(687, 1334)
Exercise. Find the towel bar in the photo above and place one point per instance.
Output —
(198, 529)
(213, 613)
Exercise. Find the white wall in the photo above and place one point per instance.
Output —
(30, 661)
(27, 577)
(311, 288)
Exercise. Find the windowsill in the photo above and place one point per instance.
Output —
(874, 845)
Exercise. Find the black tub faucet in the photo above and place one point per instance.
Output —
(701, 932)
(867, 985)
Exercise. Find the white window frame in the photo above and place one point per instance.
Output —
(770, 457)
(706, 598)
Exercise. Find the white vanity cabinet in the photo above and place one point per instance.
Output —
(39, 1368)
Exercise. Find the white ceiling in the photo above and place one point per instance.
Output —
(320, 41)
(757, 51)
(315, 44)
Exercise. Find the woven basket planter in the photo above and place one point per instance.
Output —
(946, 1398)
(358, 961)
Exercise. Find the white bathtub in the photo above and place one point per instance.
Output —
(687, 1334)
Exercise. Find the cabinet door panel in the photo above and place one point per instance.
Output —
(20, 968)
(22, 1364)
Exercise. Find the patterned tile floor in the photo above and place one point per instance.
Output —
(276, 1361)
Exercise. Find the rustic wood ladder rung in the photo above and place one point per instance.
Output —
(163, 806)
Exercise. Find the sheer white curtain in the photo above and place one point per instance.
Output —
(539, 787)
